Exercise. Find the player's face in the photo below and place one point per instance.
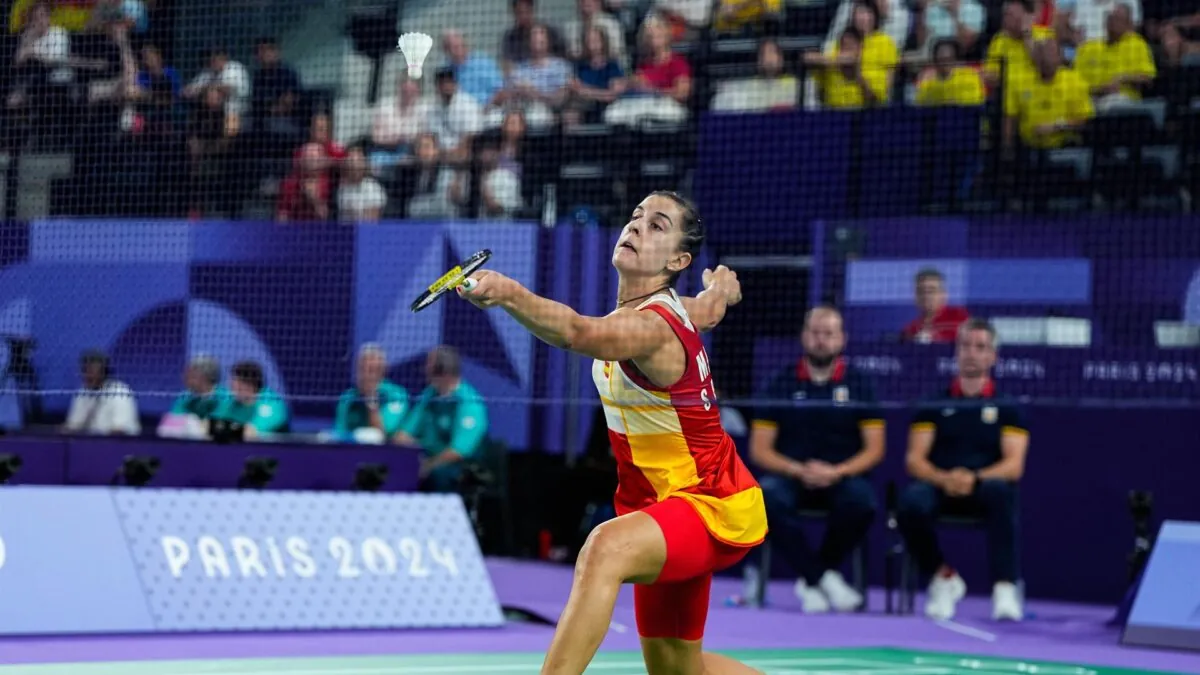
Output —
(649, 244)
(823, 338)
(975, 353)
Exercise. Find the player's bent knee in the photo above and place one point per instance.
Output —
(623, 550)
(671, 656)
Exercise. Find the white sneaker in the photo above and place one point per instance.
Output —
(750, 579)
(812, 600)
(841, 595)
(1006, 602)
(944, 594)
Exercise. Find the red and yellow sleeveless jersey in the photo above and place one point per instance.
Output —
(669, 442)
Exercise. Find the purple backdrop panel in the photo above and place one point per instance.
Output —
(44, 460)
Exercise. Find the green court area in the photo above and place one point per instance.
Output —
(773, 662)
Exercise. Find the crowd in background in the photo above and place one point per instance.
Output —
(207, 145)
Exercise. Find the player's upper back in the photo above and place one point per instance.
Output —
(636, 406)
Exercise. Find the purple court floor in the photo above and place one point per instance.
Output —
(1053, 632)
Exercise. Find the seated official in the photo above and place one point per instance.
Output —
(372, 410)
(966, 452)
(816, 450)
(193, 408)
(449, 422)
(255, 407)
(938, 321)
(104, 405)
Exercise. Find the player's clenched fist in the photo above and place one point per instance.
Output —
(486, 288)
(724, 281)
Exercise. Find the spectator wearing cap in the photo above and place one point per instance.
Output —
(951, 83)
(449, 422)
(227, 75)
(477, 74)
(966, 455)
(104, 405)
(199, 401)
(454, 118)
(253, 405)
(817, 444)
(374, 406)
(938, 321)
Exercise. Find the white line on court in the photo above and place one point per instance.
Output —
(969, 631)
(975, 664)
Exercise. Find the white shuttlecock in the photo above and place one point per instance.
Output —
(415, 47)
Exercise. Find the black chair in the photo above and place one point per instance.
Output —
(485, 489)
(858, 563)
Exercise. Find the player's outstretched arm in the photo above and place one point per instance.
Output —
(721, 291)
(623, 335)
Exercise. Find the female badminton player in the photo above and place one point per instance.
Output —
(686, 505)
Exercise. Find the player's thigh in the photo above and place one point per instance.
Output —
(630, 548)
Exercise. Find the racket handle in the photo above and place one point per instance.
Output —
(468, 285)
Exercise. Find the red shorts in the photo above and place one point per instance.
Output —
(676, 604)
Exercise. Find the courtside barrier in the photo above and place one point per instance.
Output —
(110, 560)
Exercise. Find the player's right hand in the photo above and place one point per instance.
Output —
(490, 289)
(724, 281)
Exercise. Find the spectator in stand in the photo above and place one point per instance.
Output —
(683, 19)
(938, 321)
(423, 186)
(966, 454)
(1080, 21)
(599, 80)
(276, 95)
(1052, 107)
(1176, 50)
(40, 60)
(158, 89)
(492, 189)
(892, 19)
(211, 131)
(537, 86)
(591, 16)
(454, 118)
(959, 20)
(304, 195)
(1119, 69)
(397, 121)
(661, 87)
(201, 399)
(227, 75)
(131, 14)
(772, 89)
(515, 45)
(253, 405)
(449, 422)
(1011, 50)
(373, 409)
(104, 406)
(477, 74)
(819, 452)
(861, 71)
(951, 83)
(105, 65)
(360, 197)
(70, 16)
(748, 16)
(320, 131)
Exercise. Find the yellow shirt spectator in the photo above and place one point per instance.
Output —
(1101, 62)
(732, 15)
(71, 15)
(879, 59)
(1044, 108)
(1006, 49)
(963, 87)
